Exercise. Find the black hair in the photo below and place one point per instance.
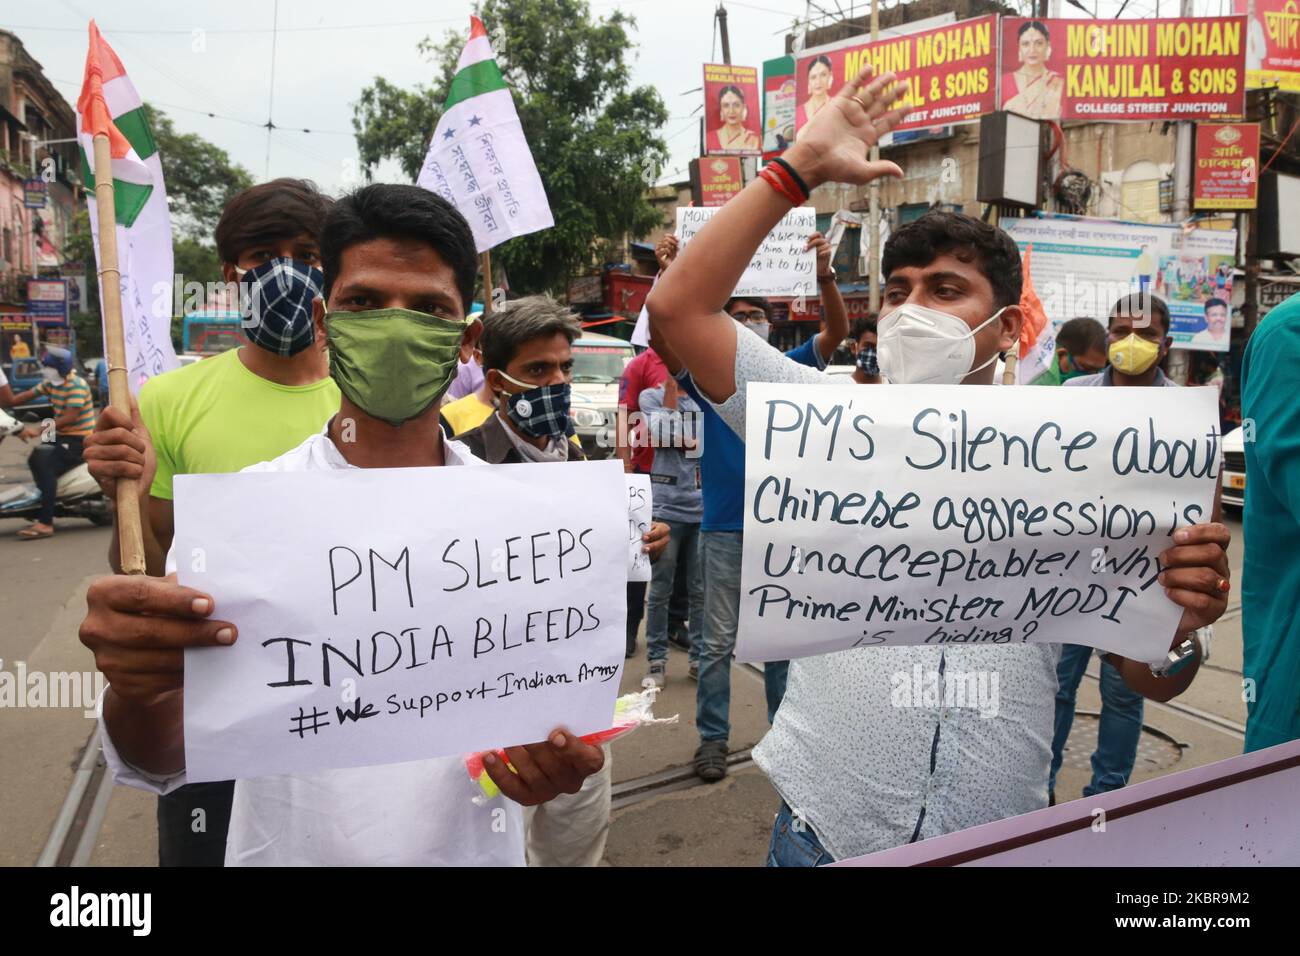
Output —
(508, 328)
(939, 232)
(1081, 335)
(824, 60)
(268, 213)
(730, 88)
(398, 211)
(1141, 303)
(861, 326)
(1216, 302)
(757, 300)
(1038, 25)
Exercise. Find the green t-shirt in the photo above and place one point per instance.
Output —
(216, 416)
(1270, 381)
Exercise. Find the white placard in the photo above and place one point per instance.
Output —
(780, 266)
(954, 514)
(639, 516)
(388, 615)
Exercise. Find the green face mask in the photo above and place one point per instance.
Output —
(393, 364)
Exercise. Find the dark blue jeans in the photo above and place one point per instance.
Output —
(721, 551)
(683, 550)
(794, 843)
(1118, 730)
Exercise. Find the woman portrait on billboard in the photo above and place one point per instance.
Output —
(732, 135)
(1033, 90)
(820, 76)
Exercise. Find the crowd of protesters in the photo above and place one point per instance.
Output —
(854, 775)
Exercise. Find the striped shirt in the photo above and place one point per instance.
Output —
(72, 395)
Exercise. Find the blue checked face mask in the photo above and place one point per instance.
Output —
(541, 411)
(277, 307)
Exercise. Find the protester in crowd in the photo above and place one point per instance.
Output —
(74, 418)
(474, 408)
(722, 468)
(864, 774)
(1137, 338)
(672, 421)
(862, 340)
(635, 450)
(387, 251)
(1270, 380)
(528, 366)
(1080, 350)
(469, 376)
(225, 413)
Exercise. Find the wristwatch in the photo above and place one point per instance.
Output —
(1178, 658)
(828, 277)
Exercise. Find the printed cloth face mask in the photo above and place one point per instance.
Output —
(922, 346)
(1133, 354)
(277, 312)
(867, 360)
(541, 411)
(393, 364)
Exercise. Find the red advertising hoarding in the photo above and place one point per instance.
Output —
(950, 72)
(715, 179)
(1187, 68)
(1226, 173)
(733, 113)
(1272, 44)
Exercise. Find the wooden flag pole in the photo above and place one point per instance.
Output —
(1009, 372)
(130, 534)
(486, 259)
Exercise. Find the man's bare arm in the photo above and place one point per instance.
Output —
(686, 304)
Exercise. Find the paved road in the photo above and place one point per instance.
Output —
(42, 593)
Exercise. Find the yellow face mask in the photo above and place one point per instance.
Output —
(1133, 354)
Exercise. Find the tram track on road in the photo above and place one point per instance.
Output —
(675, 779)
(76, 828)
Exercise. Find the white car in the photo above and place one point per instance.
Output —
(1234, 468)
(598, 363)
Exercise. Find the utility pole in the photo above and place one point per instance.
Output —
(1247, 221)
(1178, 364)
(721, 14)
(873, 217)
(1183, 155)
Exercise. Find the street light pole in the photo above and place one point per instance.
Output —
(873, 217)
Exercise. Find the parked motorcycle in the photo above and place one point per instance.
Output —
(78, 493)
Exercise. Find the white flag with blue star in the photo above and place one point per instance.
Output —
(479, 159)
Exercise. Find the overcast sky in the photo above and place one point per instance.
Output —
(326, 51)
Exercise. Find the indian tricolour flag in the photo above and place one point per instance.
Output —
(478, 159)
(1037, 335)
(109, 104)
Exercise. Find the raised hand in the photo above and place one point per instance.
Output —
(833, 145)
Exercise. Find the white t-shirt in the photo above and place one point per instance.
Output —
(419, 813)
(3, 381)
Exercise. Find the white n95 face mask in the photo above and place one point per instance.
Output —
(921, 346)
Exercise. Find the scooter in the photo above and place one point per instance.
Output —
(78, 494)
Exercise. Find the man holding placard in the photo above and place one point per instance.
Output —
(527, 354)
(399, 267)
(722, 466)
(857, 768)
